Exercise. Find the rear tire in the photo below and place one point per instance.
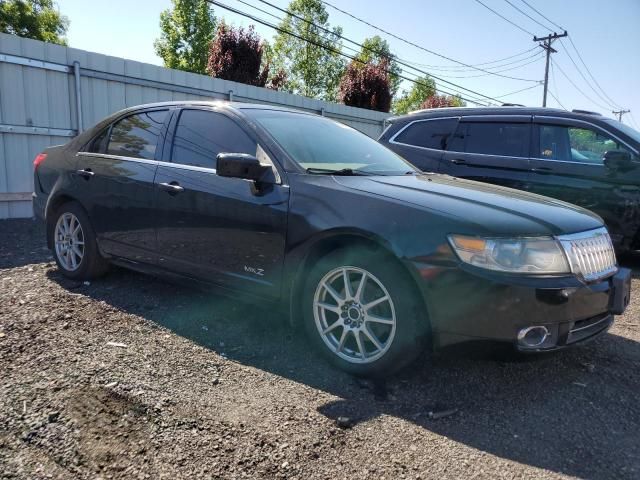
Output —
(74, 245)
(369, 328)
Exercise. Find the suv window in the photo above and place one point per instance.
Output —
(488, 138)
(428, 133)
(201, 135)
(561, 142)
(137, 135)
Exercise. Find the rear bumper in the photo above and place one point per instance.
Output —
(470, 305)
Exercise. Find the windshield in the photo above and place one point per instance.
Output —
(626, 129)
(321, 145)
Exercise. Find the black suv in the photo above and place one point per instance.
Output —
(580, 157)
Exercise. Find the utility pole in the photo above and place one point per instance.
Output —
(619, 113)
(546, 44)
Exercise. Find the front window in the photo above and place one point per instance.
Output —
(322, 145)
(584, 145)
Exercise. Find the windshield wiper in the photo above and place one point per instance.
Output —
(329, 171)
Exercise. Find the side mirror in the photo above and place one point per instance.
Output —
(617, 160)
(242, 165)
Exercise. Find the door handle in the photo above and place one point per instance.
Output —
(542, 169)
(173, 187)
(458, 161)
(86, 173)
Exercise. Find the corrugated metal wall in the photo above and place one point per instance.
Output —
(38, 104)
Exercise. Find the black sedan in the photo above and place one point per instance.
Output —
(376, 260)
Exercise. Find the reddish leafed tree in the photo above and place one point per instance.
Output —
(277, 81)
(236, 54)
(366, 86)
(440, 101)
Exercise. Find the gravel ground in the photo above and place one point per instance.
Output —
(133, 377)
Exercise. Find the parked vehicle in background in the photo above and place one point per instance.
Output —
(375, 259)
(579, 157)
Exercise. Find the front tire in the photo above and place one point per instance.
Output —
(74, 244)
(363, 312)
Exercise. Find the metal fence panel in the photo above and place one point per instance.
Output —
(38, 105)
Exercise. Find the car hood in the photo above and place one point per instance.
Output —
(490, 209)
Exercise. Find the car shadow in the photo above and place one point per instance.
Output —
(575, 412)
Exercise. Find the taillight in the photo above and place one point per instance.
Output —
(38, 160)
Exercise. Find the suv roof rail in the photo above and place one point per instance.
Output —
(512, 105)
(587, 112)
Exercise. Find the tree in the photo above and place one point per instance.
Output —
(186, 33)
(313, 67)
(37, 19)
(366, 86)
(236, 55)
(376, 50)
(423, 88)
(441, 101)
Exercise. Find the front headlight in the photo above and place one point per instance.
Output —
(541, 255)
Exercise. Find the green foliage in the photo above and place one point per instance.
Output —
(311, 70)
(186, 33)
(37, 19)
(424, 88)
(376, 50)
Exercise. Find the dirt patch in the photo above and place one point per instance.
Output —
(133, 377)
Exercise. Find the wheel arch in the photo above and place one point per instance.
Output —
(52, 205)
(307, 254)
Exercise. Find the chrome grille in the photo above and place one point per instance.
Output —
(590, 254)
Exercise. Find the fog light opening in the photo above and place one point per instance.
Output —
(533, 336)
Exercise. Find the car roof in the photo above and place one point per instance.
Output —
(510, 110)
(215, 103)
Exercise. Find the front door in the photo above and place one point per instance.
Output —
(568, 165)
(492, 149)
(214, 228)
(114, 180)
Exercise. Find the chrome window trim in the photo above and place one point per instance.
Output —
(159, 163)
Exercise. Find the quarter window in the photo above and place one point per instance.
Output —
(137, 135)
(201, 135)
(99, 143)
(488, 138)
(428, 134)
(561, 142)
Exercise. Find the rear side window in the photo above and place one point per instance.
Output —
(428, 134)
(487, 138)
(99, 143)
(201, 135)
(137, 135)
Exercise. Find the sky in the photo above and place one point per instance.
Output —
(606, 34)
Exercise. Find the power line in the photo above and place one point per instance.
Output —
(459, 69)
(529, 16)
(518, 91)
(538, 57)
(338, 52)
(309, 22)
(409, 42)
(556, 99)
(505, 18)
(578, 88)
(555, 86)
(539, 13)
(589, 72)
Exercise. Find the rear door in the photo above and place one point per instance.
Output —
(492, 149)
(215, 228)
(422, 142)
(568, 165)
(114, 180)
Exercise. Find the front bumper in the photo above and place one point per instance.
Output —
(470, 304)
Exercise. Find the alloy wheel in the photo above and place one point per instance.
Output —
(354, 314)
(69, 241)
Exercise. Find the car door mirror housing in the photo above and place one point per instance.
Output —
(617, 160)
(242, 165)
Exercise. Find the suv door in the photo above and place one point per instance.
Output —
(492, 149)
(422, 142)
(568, 165)
(215, 228)
(114, 183)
